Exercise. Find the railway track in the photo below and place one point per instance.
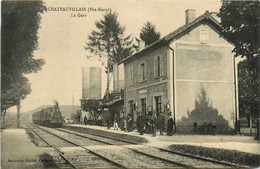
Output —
(81, 157)
(210, 160)
(118, 152)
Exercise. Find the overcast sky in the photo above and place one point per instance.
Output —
(62, 39)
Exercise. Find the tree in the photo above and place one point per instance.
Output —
(109, 41)
(148, 33)
(20, 24)
(248, 89)
(240, 21)
(90, 105)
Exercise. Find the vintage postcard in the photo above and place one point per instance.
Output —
(129, 84)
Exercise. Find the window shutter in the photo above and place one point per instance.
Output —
(132, 75)
(155, 67)
(129, 75)
(145, 71)
(203, 35)
(139, 73)
(161, 65)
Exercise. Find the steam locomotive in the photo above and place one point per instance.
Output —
(49, 116)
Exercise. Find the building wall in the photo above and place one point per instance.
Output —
(150, 87)
(192, 65)
(91, 83)
(147, 58)
(207, 66)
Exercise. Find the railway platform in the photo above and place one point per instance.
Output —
(18, 152)
(230, 142)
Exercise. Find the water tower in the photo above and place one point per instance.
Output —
(91, 83)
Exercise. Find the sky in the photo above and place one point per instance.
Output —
(62, 38)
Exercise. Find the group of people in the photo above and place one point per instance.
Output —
(150, 123)
(145, 123)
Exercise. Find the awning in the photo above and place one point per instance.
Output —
(117, 101)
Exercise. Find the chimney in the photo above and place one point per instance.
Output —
(141, 44)
(214, 15)
(189, 15)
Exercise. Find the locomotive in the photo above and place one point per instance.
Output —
(49, 116)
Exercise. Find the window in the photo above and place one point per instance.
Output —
(158, 105)
(143, 104)
(158, 66)
(142, 72)
(131, 108)
(204, 35)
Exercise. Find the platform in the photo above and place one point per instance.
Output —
(29, 156)
(230, 142)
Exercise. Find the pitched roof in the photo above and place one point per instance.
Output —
(174, 34)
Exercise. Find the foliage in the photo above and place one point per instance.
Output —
(12, 94)
(20, 24)
(109, 40)
(90, 105)
(232, 156)
(240, 21)
(248, 88)
(148, 33)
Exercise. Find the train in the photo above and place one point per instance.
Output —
(49, 116)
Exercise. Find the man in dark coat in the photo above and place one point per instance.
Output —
(129, 122)
(170, 123)
(140, 123)
(85, 120)
(148, 124)
(154, 124)
(161, 120)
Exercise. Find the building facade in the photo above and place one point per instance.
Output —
(189, 73)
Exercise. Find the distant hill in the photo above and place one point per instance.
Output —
(66, 110)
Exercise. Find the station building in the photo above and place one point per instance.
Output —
(190, 73)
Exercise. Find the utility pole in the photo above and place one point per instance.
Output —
(18, 115)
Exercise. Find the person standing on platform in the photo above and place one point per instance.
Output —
(161, 120)
(116, 123)
(129, 122)
(140, 123)
(154, 124)
(147, 124)
(138, 120)
(85, 120)
(170, 123)
(100, 118)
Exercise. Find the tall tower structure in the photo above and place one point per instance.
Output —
(91, 83)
